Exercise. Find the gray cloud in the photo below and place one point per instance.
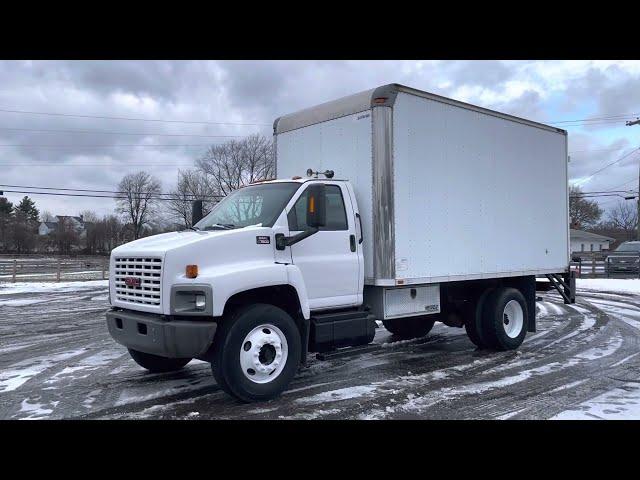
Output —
(256, 92)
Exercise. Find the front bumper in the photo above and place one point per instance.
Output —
(154, 334)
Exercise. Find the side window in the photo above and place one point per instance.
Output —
(336, 213)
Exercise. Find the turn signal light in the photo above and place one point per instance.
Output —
(192, 271)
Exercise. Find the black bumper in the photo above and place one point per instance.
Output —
(154, 334)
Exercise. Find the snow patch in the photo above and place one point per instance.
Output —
(621, 403)
(41, 287)
(312, 415)
(614, 285)
(19, 373)
(36, 410)
(338, 395)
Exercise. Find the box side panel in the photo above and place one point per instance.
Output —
(344, 146)
(475, 195)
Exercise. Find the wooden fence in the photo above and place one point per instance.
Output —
(53, 269)
(598, 268)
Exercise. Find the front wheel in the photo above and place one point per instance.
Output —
(412, 327)
(157, 364)
(256, 352)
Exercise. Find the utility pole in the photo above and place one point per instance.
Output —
(630, 123)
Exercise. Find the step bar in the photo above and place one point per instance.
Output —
(565, 284)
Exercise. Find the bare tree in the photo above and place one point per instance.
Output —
(140, 191)
(66, 236)
(583, 212)
(113, 232)
(89, 216)
(92, 227)
(624, 216)
(47, 216)
(192, 185)
(237, 163)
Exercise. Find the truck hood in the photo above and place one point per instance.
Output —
(164, 242)
(159, 244)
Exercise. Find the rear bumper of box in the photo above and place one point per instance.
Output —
(154, 334)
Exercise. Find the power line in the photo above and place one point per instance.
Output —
(73, 165)
(606, 117)
(79, 145)
(612, 163)
(131, 119)
(99, 191)
(90, 195)
(101, 132)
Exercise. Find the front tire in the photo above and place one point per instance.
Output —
(412, 327)
(256, 352)
(157, 364)
(504, 319)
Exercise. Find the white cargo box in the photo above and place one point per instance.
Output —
(446, 190)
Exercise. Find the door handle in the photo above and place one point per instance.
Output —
(352, 242)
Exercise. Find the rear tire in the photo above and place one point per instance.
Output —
(257, 352)
(157, 364)
(473, 324)
(504, 319)
(412, 327)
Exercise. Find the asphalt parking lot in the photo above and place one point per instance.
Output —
(57, 360)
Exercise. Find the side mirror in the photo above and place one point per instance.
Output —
(316, 205)
(196, 211)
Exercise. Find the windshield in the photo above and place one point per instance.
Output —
(629, 247)
(252, 205)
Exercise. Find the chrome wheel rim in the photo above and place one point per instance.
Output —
(263, 354)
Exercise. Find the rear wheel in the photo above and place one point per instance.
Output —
(256, 352)
(504, 319)
(412, 327)
(157, 364)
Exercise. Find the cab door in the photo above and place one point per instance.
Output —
(329, 259)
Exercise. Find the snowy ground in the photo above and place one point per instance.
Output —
(58, 361)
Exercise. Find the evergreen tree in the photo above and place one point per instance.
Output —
(25, 226)
(28, 208)
(6, 217)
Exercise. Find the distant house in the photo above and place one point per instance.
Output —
(582, 241)
(48, 228)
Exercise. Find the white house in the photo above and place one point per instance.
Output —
(47, 228)
(582, 241)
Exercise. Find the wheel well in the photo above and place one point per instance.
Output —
(463, 295)
(282, 296)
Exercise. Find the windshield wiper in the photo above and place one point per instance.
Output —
(224, 226)
(194, 228)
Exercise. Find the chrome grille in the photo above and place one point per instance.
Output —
(148, 270)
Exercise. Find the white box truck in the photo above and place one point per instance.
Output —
(393, 204)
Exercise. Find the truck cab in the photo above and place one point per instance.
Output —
(269, 253)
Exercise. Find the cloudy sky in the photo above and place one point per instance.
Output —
(69, 150)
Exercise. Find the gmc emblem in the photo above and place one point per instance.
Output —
(132, 281)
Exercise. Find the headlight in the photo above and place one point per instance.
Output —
(201, 302)
(191, 300)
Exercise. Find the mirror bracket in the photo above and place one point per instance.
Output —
(282, 241)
